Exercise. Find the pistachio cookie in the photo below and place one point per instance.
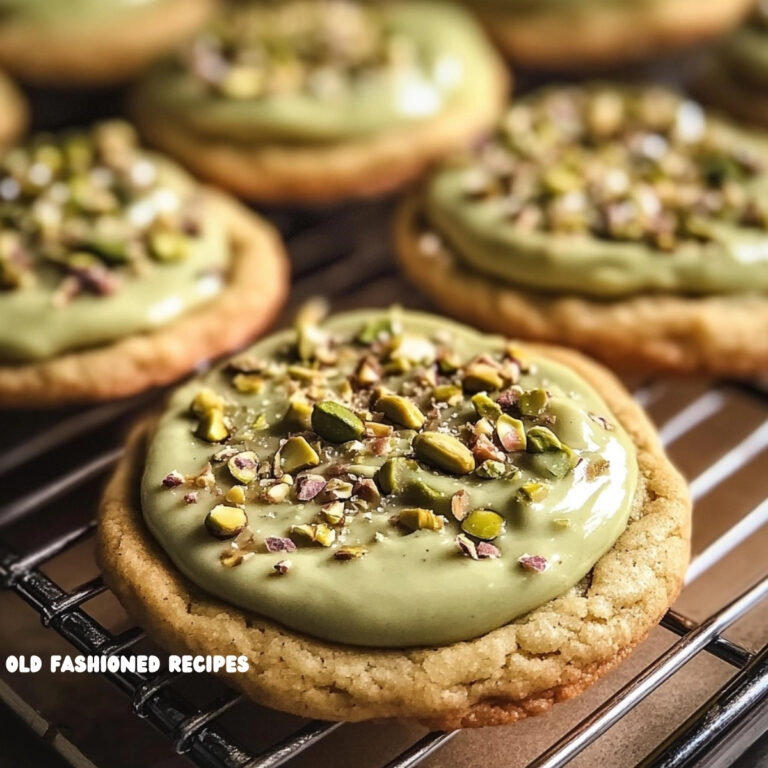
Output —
(13, 111)
(552, 34)
(394, 516)
(118, 272)
(92, 42)
(318, 100)
(628, 223)
(736, 79)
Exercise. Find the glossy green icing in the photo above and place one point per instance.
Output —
(481, 233)
(451, 54)
(411, 588)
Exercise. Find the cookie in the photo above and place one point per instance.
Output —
(119, 273)
(630, 228)
(400, 469)
(92, 42)
(13, 111)
(735, 78)
(337, 116)
(565, 34)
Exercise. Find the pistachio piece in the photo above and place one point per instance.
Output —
(243, 467)
(206, 400)
(317, 533)
(282, 567)
(535, 563)
(212, 427)
(532, 402)
(278, 493)
(336, 423)
(401, 410)
(298, 417)
(443, 452)
(173, 479)
(333, 513)
(297, 454)
(337, 488)
(224, 522)
(460, 505)
(279, 544)
(487, 551)
(466, 546)
(376, 429)
(447, 393)
(309, 486)
(248, 383)
(486, 407)
(534, 491)
(418, 519)
(511, 433)
(167, 245)
(350, 553)
(481, 377)
(448, 362)
(491, 470)
(235, 495)
(542, 439)
(367, 491)
(395, 475)
(375, 330)
(368, 372)
(484, 524)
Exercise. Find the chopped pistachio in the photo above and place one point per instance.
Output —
(309, 486)
(317, 533)
(533, 402)
(282, 567)
(491, 470)
(278, 493)
(395, 474)
(443, 452)
(279, 544)
(375, 330)
(169, 245)
(511, 433)
(338, 488)
(483, 524)
(487, 551)
(486, 407)
(212, 427)
(248, 383)
(466, 546)
(535, 563)
(350, 553)
(481, 377)
(376, 429)
(460, 505)
(447, 393)
(448, 362)
(367, 491)
(235, 495)
(336, 423)
(534, 491)
(298, 417)
(401, 410)
(244, 467)
(418, 519)
(333, 513)
(297, 454)
(541, 439)
(173, 479)
(224, 522)
(206, 400)
(368, 372)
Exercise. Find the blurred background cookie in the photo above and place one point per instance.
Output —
(625, 221)
(92, 42)
(118, 272)
(575, 34)
(13, 111)
(318, 100)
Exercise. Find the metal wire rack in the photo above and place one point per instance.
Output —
(345, 254)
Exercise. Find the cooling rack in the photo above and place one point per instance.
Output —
(51, 465)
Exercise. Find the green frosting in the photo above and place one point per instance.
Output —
(391, 563)
(610, 193)
(98, 240)
(322, 71)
